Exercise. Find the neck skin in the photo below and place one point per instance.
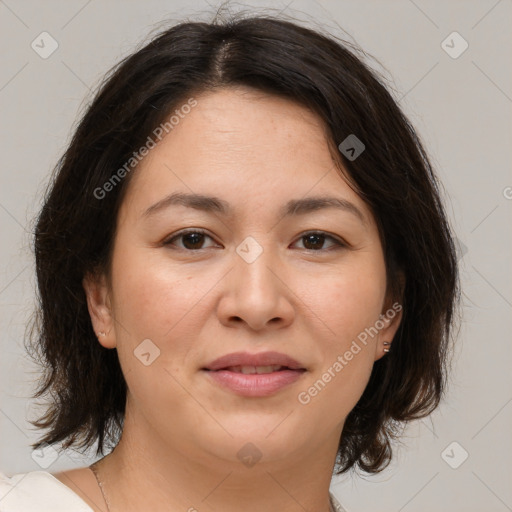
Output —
(146, 473)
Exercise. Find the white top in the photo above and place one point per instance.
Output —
(40, 491)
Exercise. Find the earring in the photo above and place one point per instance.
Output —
(102, 333)
(386, 343)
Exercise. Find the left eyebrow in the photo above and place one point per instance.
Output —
(217, 205)
(311, 204)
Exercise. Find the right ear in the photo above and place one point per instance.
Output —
(100, 308)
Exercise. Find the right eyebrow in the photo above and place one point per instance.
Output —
(196, 201)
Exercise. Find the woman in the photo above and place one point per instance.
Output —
(247, 278)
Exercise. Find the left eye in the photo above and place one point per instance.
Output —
(317, 238)
(193, 240)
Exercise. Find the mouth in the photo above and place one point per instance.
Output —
(254, 375)
(256, 370)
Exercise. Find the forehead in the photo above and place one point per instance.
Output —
(245, 146)
(261, 127)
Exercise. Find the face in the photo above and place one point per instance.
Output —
(251, 272)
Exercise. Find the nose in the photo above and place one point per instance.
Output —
(257, 294)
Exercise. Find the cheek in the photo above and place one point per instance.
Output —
(348, 301)
(152, 294)
(161, 300)
(158, 302)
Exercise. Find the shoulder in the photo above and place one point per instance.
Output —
(38, 491)
(336, 505)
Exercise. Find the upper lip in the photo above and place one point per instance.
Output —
(260, 359)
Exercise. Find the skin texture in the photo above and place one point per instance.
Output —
(182, 432)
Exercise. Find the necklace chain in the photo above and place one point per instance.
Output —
(100, 483)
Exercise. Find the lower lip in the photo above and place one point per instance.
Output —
(255, 385)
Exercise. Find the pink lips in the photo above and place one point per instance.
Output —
(260, 359)
(222, 371)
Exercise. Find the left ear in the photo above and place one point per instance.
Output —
(391, 318)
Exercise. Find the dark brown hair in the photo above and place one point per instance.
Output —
(75, 228)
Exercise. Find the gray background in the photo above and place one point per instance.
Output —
(461, 108)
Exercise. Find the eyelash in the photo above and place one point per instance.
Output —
(338, 243)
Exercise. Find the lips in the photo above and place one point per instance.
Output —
(264, 362)
(254, 375)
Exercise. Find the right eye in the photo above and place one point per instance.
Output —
(192, 239)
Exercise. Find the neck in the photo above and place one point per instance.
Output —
(146, 473)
